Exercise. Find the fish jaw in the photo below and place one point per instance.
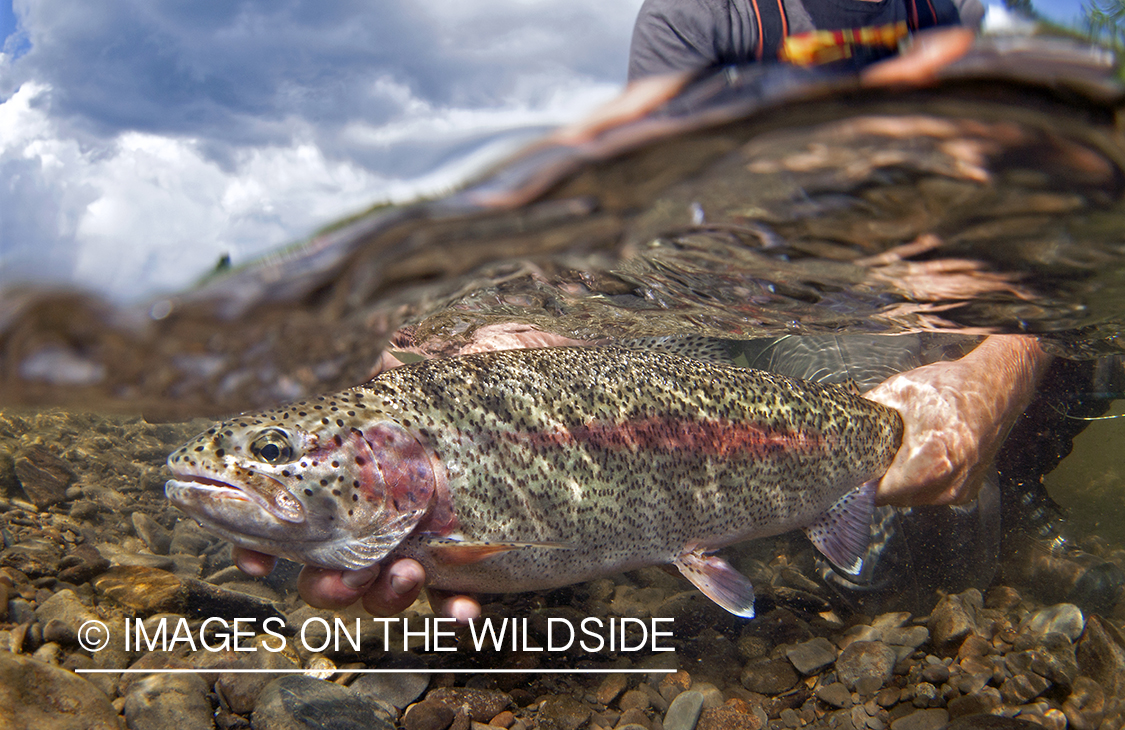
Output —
(337, 497)
(235, 514)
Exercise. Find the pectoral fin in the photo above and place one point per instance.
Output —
(844, 530)
(717, 580)
(452, 551)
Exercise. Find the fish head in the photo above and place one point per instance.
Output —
(333, 492)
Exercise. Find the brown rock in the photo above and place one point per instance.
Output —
(974, 646)
(954, 619)
(634, 699)
(932, 719)
(983, 700)
(1022, 688)
(634, 717)
(38, 695)
(1085, 707)
(505, 719)
(35, 558)
(727, 718)
(1100, 654)
(836, 694)
(673, 684)
(610, 687)
(43, 476)
(145, 590)
(82, 564)
(769, 677)
(241, 690)
(482, 704)
(562, 712)
(427, 715)
(1002, 598)
(164, 701)
(861, 660)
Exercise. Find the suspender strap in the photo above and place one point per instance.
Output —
(773, 27)
(920, 14)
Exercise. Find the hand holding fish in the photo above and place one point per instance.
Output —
(384, 592)
(956, 416)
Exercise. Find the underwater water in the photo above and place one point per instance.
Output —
(793, 224)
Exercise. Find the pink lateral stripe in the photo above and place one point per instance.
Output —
(713, 438)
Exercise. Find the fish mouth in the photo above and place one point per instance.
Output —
(196, 492)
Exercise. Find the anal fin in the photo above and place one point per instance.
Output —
(844, 530)
(717, 580)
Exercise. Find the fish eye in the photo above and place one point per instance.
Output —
(272, 446)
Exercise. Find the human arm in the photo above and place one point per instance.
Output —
(956, 416)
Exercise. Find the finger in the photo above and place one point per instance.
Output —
(253, 563)
(396, 589)
(461, 608)
(334, 589)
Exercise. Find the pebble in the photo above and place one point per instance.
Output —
(610, 687)
(684, 711)
(240, 690)
(38, 695)
(1002, 598)
(398, 690)
(812, 656)
(144, 590)
(835, 694)
(35, 558)
(562, 712)
(1023, 688)
(954, 619)
(634, 717)
(635, 699)
(482, 704)
(769, 677)
(155, 535)
(726, 718)
(82, 564)
(1062, 618)
(428, 715)
(1099, 654)
(991, 722)
(873, 661)
(43, 476)
(296, 702)
(982, 700)
(932, 719)
(189, 538)
(168, 702)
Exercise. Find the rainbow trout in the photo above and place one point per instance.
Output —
(533, 469)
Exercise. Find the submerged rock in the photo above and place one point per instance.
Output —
(303, 703)
(35, 695)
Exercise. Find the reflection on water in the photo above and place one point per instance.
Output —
(738, 225)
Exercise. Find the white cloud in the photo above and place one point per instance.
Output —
(136, 148)
(152, 213)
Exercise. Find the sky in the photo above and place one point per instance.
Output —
(143, 140)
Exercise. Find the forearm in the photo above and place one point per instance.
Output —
(956, 416)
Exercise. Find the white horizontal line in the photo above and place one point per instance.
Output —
(218, 670)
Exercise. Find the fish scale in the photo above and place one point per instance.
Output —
(531, 469)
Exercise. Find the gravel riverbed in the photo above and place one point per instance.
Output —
(88, 537)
